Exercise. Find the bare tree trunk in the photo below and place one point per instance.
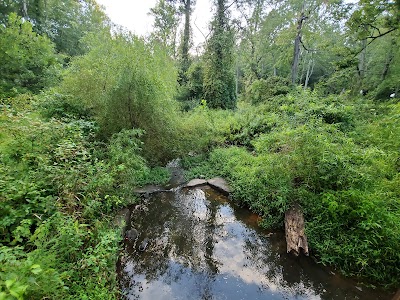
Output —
(237, 80)
(362, 65)
(25, 9)
(297, 41)
(310, 70)
(300, 80)
(186, 39)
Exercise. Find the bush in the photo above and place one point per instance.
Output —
(262, 90)
(28, 61)
(62, 107)
(124, 149)
(131, 90)
(386, 88)
(57, 191)
(340, 164)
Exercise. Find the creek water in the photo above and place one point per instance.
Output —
(201, 246)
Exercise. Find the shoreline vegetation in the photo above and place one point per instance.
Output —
(88, 118)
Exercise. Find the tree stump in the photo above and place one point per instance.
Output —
(294, 229)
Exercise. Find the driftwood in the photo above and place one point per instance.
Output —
(294, 229)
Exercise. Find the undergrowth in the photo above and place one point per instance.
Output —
(59, 188)
(337, 157)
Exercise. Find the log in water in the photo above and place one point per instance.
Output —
(296, 239)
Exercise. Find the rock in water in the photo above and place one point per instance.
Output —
(294, 229)
(195, 182)
(131, 235)
(144, 244)
(219, 184)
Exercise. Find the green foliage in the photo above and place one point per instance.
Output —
(59, 106)
(387, 87)
(191, 92)
(124, 151)
(131, 90)
(203, 128)
(219, 80)
(71, 260)
(65, 22)
(166, 20)
(340, 164)
(25, 275)
(58, 191)
(28, 60)
(363, 231)
(263, 89)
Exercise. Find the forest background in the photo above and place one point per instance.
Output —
(292, 102)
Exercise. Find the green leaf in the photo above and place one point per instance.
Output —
(36, 269)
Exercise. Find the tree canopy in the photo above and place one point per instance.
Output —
(28, 60)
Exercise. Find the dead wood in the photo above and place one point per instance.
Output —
(294, 229)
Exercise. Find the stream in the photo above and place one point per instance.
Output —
(201, 246)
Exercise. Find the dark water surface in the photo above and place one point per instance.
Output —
(202, 247)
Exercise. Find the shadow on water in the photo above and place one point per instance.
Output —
(202, 247)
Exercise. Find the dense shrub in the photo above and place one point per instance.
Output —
(59, 106)
(386, 88)
(338, 163)
(128, 84)
(58, 192)
(262, 90)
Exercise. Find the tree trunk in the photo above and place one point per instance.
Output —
(237, 80)
(362, 64)
(25, 9)
(310, 70)
(294, 229)
(388, 61)
(185, 63)
(297, 41)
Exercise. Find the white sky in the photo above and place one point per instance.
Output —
(133, 14)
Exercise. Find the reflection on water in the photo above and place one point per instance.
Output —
(203, 248)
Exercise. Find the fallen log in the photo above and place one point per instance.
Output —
(294, 230)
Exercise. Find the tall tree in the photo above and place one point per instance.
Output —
(371, 21)
(166, 20)
(296, 53)
(184, 57)
(252, 16)
(28, 60)
(219, 78)
(185, 46)
(64, 22)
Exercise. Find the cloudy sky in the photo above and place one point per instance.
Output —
(133, 14)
